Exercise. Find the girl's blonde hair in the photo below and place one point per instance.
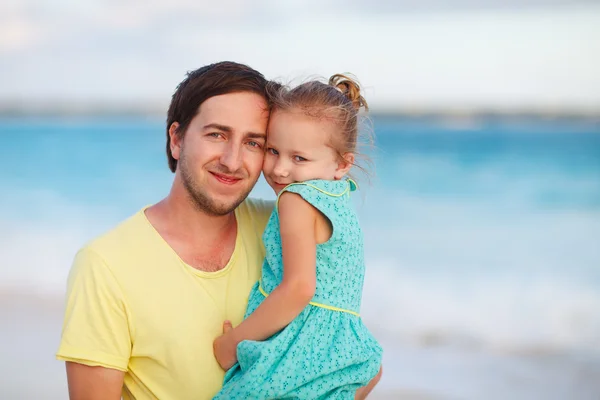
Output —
(338, 101)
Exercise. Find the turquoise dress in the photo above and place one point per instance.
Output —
(326, 352)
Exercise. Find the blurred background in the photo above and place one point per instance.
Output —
(482, 218)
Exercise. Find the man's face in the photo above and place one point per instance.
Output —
(221, 154)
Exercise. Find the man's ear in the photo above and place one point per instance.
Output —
(175, 140)
(344, 165)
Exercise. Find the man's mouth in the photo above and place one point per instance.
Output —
(226, 179)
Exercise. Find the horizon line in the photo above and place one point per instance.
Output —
(157, 109)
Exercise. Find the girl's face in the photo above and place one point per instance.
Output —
(298, 150)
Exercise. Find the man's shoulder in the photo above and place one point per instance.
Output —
(119, 238)
(256, 212)
(257, 207)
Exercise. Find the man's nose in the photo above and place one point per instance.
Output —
(232, 156)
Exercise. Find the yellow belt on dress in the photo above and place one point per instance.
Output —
(332, 308)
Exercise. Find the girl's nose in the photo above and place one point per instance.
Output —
(281, 171)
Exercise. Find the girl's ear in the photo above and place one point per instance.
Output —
(344, 165)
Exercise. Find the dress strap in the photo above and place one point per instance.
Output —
(334, 189)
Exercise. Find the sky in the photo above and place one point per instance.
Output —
(504, 54)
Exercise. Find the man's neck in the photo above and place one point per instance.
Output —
(203, 241)
(191, 221)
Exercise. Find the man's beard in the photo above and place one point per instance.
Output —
(200, 198)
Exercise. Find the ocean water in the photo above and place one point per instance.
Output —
(482, 241)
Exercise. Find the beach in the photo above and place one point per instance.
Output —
(31, 330)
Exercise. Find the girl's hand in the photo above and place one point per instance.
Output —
(225, 347)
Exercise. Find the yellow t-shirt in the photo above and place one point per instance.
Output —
(134, 305)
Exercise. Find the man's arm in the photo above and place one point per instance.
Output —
(96, 342)
(94, 383)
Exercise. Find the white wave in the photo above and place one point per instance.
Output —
(448, 271)
(511, 313)
(438, 271)
(40, 232)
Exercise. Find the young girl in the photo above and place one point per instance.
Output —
(303, 337)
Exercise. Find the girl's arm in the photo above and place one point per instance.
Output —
(297, 225)
(297, 220)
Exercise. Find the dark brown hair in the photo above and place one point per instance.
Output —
(206, 82)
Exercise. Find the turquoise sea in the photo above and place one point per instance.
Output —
(482, 242)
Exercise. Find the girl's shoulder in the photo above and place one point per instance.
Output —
(318, 187)
(331, 198)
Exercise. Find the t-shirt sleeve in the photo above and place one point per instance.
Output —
(96, 330)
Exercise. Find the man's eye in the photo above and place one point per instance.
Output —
(215, 134)
(272, 151)
(253, 143)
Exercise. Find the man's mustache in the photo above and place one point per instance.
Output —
(223, 170)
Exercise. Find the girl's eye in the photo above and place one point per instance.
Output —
(272, 151)
(299, 159)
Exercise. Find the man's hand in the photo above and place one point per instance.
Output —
(225, 347)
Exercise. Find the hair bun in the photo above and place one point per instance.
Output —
(349, 88)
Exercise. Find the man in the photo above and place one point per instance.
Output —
(146, 300)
